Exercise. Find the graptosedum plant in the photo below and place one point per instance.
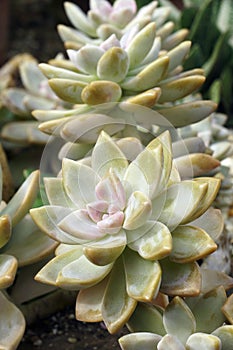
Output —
(142, 66)
(130, 210)
(34, 92)
(194, 323)
(21, 243)
(128, 229)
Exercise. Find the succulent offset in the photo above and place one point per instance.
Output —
(183, 324)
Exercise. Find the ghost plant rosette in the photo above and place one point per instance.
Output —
(116, 219)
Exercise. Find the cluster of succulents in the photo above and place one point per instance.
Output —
(135, 173)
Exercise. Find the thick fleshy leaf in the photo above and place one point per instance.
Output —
(154, 51)
(211, 279)
(52, 72)
(211, 221)
(111, 190)
(12, 324)
(47, 219)
(190, 243)
(79, 182)
(148, 77)
(179, 88)
(177, 55)
(147, 98)
(86, 58)
(203, 341)
(81, 273)
(8, 268)
(225, 334)
(141, 44)
(5, 229)
(31, 76)
(102, 91)
(188, 113)
(212, 191)
(87, 127)
(106, 250)
(117, 306)
(56, 193)
(170, 342)
(146, 318)
(78, 18)
(143, 277)
(181, 202)
(137, 212)
(107, 155)
(49, 273)
(89, 303)
(144, 173)
(79, 224)
(22, 201)
(178, 320)
(180, 279)
(195, 164)
(207, 310)
(28, 244)
(153, 241)
(113, 65)
(165, 140)
(227, 309)
(138, 341)
(67, 89)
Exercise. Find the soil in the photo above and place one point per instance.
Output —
(63, 331)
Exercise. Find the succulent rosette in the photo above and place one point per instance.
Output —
(122, 226)
(202, 322)
(104, 19)
(137, 68)
(32, 92)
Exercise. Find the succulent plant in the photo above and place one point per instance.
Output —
(104, 19)
(202, 322)
(21, 243)
(22, 100)
(116, 219)
(215, 53)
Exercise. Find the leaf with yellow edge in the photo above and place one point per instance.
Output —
(143, 277)
(147, 318)
(117, 306)
(49, 273)
(89, 302)
(5, 230)
(8, 268)
(153, 241)
(190, 243)
(178, 319)
(12, 324)
(107, 155)
(180, 279)
(227, 309)
(23, 199)
(81, 273)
